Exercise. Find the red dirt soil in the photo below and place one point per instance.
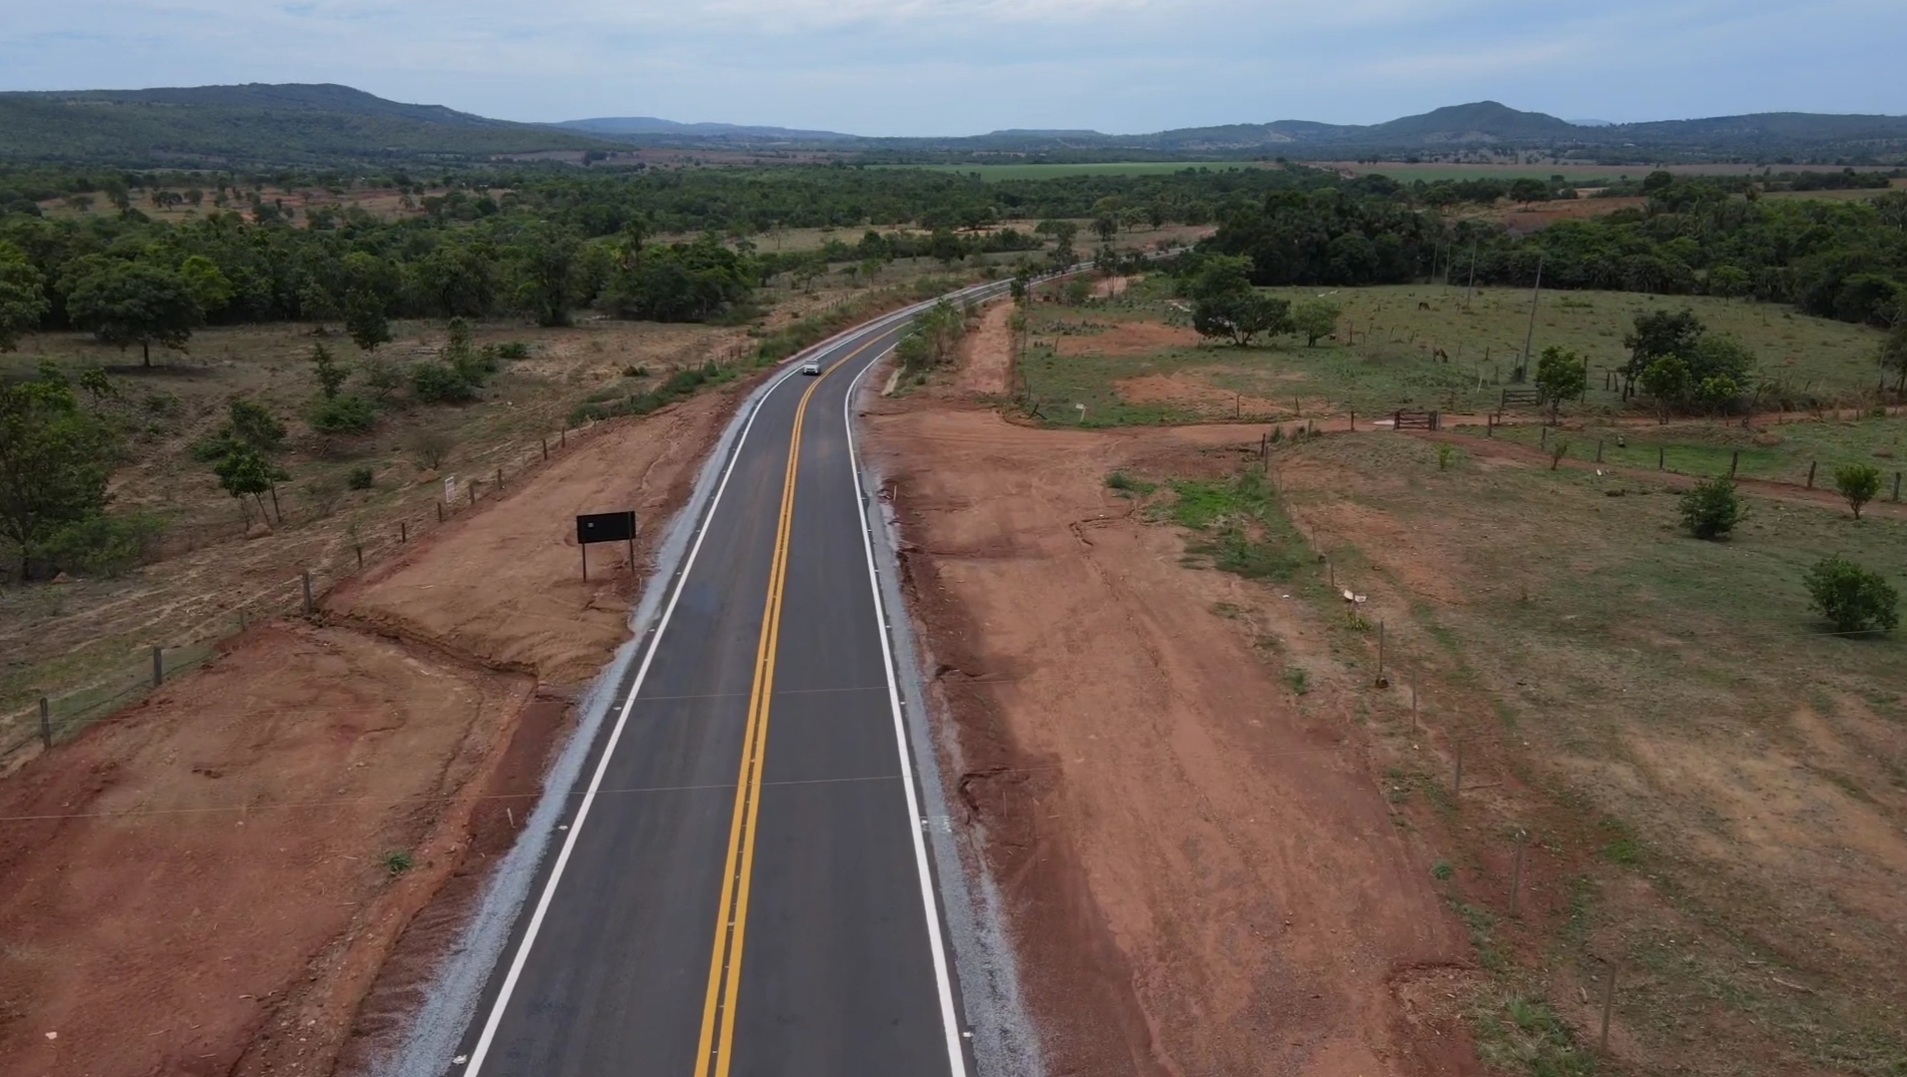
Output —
(1204, 875)
(201, 884)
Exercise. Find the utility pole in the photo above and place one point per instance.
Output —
(1523, 369)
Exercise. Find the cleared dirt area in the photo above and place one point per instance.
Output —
(217, 880)
(1204, 874)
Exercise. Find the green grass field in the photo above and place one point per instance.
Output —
(1780, 453)
(1384, 359)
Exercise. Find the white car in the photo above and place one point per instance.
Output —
(812, 366)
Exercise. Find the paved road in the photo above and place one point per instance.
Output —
(742, 890)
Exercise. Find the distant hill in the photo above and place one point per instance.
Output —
(214, 126)
(618, 126)
(264, 125)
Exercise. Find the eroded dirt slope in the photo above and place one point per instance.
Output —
(1205, 876)
(214, 882)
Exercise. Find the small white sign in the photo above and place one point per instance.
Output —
(450, 489)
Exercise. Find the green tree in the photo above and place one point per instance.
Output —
(1241, 317)
(1658, 335)
(1667, 380)
(1852, 598)
(246, 472)
(126, 303)
(1728, 281)
(1220, 276)
(22, 297)
(1858, 483)
(1560, 375)
(209, 286)
(331, 373)
(1106, 227)
(1315, 319)
(1712, 509)
(364, 319)
(55, 459)
(548, 271)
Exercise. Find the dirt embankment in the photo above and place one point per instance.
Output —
(1204, 875)
(211, 882)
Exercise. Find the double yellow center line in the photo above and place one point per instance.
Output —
(715, 1048)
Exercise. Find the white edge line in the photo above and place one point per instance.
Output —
(502, 1002)
(497, 1008)
(956, 1053)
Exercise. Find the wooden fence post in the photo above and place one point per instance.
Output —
(46, 723)
(1608, 1007)
(1896, 486)
(440, 512)
(499, 478)
(403, 532)
(1811, 465)
(309, 605)
(359, 547)
(1598, 450)
(546, 448)
(158, 666)
(1733, 463)
(1661, 458)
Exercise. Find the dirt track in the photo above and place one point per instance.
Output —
(1204, 874)
(204, 884)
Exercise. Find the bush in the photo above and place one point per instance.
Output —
(351, 414)
(1851, 597)
(513, 349)
(100, 545)
(437, 382)
(1858, 483)
(361, 478)
(1712, 509)
(432, 448)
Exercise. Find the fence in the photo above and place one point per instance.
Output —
(1414, 420)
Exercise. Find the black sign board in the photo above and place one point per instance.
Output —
(606, 527)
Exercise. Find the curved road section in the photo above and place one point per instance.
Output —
(742, 888)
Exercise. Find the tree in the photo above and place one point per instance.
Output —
(1220, 276)
(331, 373)
(209, 286)
(1667, 380)
(1106, 227)
(1712, 509)
(127, 303)
(1728, 281)
(246, 472)
(1529, 189)
(1852, 598)
(548, 269)
(1560, 375)
(1241, 316)
(1858, 483)
(364, 319)
(55, 459)
(1658, 335)
(1315, 319)
(22, 297)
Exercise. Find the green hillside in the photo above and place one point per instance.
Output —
(254, 125)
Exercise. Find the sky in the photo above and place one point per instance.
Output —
(954, 67)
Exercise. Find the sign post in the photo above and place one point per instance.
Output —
(606, 527)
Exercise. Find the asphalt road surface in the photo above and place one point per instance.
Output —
(742, 887)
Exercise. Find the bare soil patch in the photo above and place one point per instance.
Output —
(191, 871)
(1128, 338)
(1204, 874)
(208, 883)
(1192, 392)
(986, 354)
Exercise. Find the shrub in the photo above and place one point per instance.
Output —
(432, 448)
(437, 382)
(1712, 509)
(1852, 598)
(398, 861)
(351, 414)
(361, 478)
(101, 545)
(1858, 483)
(1446, 452)
(513, 349)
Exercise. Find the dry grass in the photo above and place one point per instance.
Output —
(1714, 788)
